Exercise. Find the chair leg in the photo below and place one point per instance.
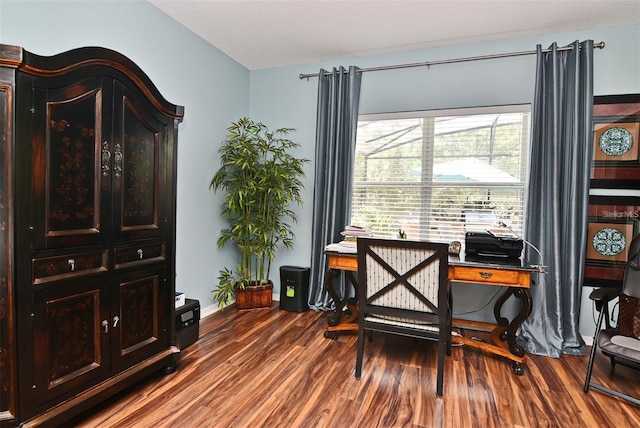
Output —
(449, 337)
(592, 357)
(594, 347)
(359, 352)
(449, 323)
(616, 393)
(442, 343)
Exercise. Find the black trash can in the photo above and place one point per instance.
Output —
(294, 288)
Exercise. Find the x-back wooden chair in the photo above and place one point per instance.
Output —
(403, 289)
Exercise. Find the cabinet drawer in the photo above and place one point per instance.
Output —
(48, 269)
(139, 254)
(494, 276)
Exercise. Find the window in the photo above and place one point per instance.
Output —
(434, 174)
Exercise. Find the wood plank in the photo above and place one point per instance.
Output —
(273, 368)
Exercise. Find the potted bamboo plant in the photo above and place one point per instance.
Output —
(261, 180)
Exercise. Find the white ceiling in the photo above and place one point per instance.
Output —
(270, 33)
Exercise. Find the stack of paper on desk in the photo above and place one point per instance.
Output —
(349, 245)
(356, 231)
(343, 247)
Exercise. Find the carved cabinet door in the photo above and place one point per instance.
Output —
(71, 338)
(141, 316)
(86, 327)
(139, 167)
(98, 164)
(71, 163)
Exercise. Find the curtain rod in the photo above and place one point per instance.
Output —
(454, 60)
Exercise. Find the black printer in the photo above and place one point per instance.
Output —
(490, 244)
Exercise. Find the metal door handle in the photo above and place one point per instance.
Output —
(117, 160)
(115, 321)
(106, 157)
(105, 326)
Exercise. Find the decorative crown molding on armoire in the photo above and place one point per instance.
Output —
(87, 231)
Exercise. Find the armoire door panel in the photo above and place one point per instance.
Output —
(70, 175)
(141, 158)
(138, 202)
(142, 316)
(70, 342)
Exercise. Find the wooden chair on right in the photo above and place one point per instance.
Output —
(622, 342)
(403, 289)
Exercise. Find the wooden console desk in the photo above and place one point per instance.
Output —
(515, 278)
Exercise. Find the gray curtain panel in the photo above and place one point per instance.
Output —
(558, 197)
(337, 120)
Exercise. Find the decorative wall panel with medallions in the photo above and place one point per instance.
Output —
(614, 204)
(616, 142)
(613, 222)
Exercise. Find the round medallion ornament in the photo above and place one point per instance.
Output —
(615, 141)
(609, 241)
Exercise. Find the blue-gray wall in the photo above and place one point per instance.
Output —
(216, 90)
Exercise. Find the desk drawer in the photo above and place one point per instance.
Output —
(343, 262)
(488, 275)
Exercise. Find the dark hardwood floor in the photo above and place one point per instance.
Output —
(273, 368)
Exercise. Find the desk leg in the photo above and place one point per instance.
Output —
(503, 330)
(353, 301)
(334, 318)
(342, 320)
(508, 329)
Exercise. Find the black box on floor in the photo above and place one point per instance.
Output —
(294, 288)
(187, 323)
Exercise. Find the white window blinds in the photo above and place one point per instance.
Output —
(434, 174)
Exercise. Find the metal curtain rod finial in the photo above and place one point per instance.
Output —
(428, 64)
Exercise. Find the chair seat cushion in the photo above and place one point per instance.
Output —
(401, 323)
(613, 343)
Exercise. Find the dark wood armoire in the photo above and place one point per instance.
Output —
(87, 231)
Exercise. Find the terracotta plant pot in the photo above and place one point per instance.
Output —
(254, 296)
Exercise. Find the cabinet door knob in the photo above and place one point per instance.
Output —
(115, 321)
(140, 253)
(105, 326)
(72, 265)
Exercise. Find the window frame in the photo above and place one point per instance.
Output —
(426, 185)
